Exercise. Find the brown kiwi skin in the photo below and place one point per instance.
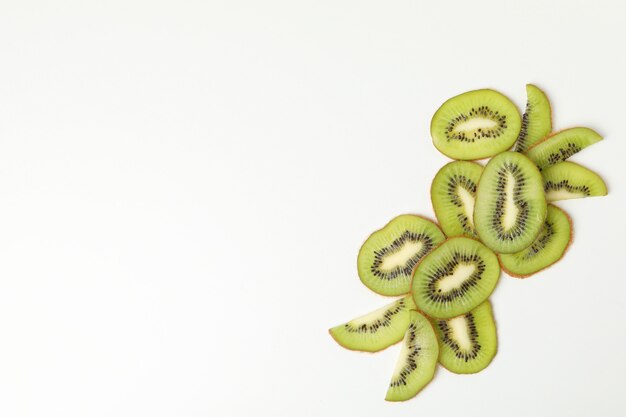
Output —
(436, 367)
(571, 239)
(410, 214)
(494, 355)
(431, 194)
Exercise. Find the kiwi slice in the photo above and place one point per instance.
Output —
(376, 330)
(510, 203)
(475, 125)
(387, 258)
(452, 193)
(547, 249)
(455, 277)
(562, 145)
(417, 362)
(467, 343)
(536, 121)
(568, 180)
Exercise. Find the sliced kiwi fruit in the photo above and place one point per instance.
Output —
(475, 125)
(376, 330)
(453, 192)
(467, 343)
(510, 203)
(387, 258)
(455, 277)
(417, 362)
(536, 121)
(567, 180)
(560, 146)
(548, 248)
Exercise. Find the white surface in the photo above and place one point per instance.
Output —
(184, 187)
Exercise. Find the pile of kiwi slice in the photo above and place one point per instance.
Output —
(498, 214)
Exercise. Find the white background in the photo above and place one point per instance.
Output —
(184, 187)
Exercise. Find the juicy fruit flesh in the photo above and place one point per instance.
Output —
(467, 202)
(470, 129)
(376, 330)
(460, 273)
(509, 207)
(454, 278)
(453, 194)
(461, 333)
(408, 250)
(386, 260)
(562, 145)
(468, 343)
(536, 121)
(417, 361)
(565, 191)
(475, 125)
(547, 248)
(568, 180)
(510, 203)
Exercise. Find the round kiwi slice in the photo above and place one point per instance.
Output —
(562, 145)
(475, 125)
(453, 192)
(547, 249)
(417, 362)
(568, 180)
(387, 258)
(376, 330)
(510, 203)
(467, 343)
(455, 277)
(536, 121)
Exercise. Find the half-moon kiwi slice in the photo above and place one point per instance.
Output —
(455, 277)
(568, 180)
(560, 146)
(547, 249)
(417, 362)
(536, 121)
(469, 342)
(453, 192)
(510, 203)
(387, 258)
(376, 330)
(475, 125)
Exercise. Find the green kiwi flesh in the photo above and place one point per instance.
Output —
(453, 192)
(547, 249)
(560, 146)
(454, 278)
(568, 180)
(417, 362)
(475, 125)
(536, 121)
(467, 343)
(387, 258)
(510, 203)
(376, 330)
